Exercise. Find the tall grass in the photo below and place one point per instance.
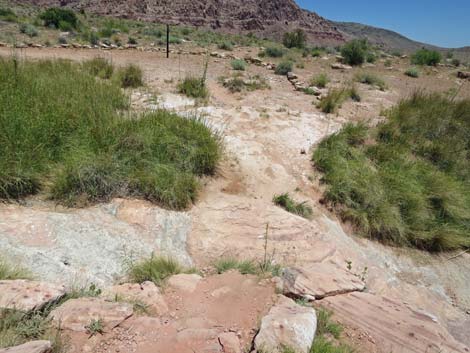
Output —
(410, 186)
(299, 208)
(84, 147)
(11, 272)
(370, 79)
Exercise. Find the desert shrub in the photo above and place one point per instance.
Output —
(295, 39)
(245, 267)
(317, 52)
(238, 64)
(156, 269)
(370, 79)
(331, 102)
(299, 208)
(225, 45)
(62, 40)
(397, 53)
(132, 41)
(274, 52)
(99, 67)
(371, 57)
(193, 87)
(10, 272)
(29, 30)
(79, 149)
(320, 81)
(412, 72)
(426, 57)
(455, 62)
(92, 37)
(410, 186)
(7, 15)
(130, 76)
(59, 18)
(354, 52)
(239, 84)
(284, 67)
(235, 84)
(388, 63)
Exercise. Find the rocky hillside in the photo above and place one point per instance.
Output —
(270, 18)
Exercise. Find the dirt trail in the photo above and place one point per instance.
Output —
(268, 135)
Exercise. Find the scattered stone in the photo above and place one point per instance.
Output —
(338, 66)
(229, 342)
(28, 295)
(255, 61)
(184, 282)
(30, 347)
(315, 90)
(76, 314)
(320, 280)
(463, 75)
(287, 324)
(146, 293)
(291, 76)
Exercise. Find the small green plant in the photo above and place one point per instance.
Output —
(412, 72)
(130, 76)
(95, 327)
(238, 64)
(132, 41)
(371, 57)
(324, 345)
(295, 39)
(284, 67)
(354, 52)
(426, 57)
(320, 81)
(155, 269)
(225, 45)
(29, 30)
(316, 53)
(59, 18)
(388, 63)
(274, 52)
(298, 208)
(325, 325)
(371, 79)
(193, 87)
(99, 67)
(245, 267)
(455, 62)
(10, 272)
(334, 99)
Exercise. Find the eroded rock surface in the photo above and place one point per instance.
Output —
(184, 282)
(28, 295)
(30, 347)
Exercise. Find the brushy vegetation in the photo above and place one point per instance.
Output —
(10, 272)
(336, 97)
(60, 18)
(320, 81)
(412, 72)
(284, 67)
(410, 186)
(299, 208)
(8, 15)
(247, 267)
(295, 39)
(273, 52)
(130, 76)
(237, 83)
(99, 67)
(238, 64)
(370, 79)
(82, 149)
(156, 269)
(355, 52)
(29, 30)
(426, 57)
(193, 87)
(225, 45)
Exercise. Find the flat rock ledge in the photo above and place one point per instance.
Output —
(28, 295)
(318, 281)
(30, 347)
(287, 324)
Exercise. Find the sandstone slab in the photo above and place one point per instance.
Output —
(146, 293)
(393, 325)
(287, 324)
(184, 282)
(76, 314)
(28, 295)
(30, 347)
(320, 280)
(230, 342)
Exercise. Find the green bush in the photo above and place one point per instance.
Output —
(295, 39)
(354, 52)
(284, 67)
(412, 72)
(59, 18)
(410, 186)
(194, 87)
(79, 149)
(8, 15)
(426, 57)
(29, 30)
(99, 67)
(238, 64)
(370, 79)
(225, 46)
(298, 208)
(130, 76)
(455, 62)
(273, 52)
(334, 99)
(320, 81)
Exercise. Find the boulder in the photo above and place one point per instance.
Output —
(146, 293)
(287, 324)
(30, 347)
(28, 295)
(338, 66)
(463, 75)
(184, 282)
(229, 342)
(76, 314)
(319, 280)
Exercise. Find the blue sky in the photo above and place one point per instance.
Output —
(444, 23)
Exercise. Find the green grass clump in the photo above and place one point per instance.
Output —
(284, 67)
(412, 72)
(371, 79)
(82, 149)
(245, 267)
(325, 325)
(130, 76)
(156, 269)
(10, 272)
(273, 52)
(225, 45)
(194, 87)
(7, 15)
(355, 52)
(60, 18)
(336, 97)
(410, 186)
(320, 81)
(99, 67)
(238, 64)
(324, 345)
(29, 30)
(299, 208)
(426, 57)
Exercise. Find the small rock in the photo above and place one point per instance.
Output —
(184, 282)
(230, 342)
(287, 324)
(338, 66)
(30, 347)
(463, 75)
(28, 295)
(291, 76)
